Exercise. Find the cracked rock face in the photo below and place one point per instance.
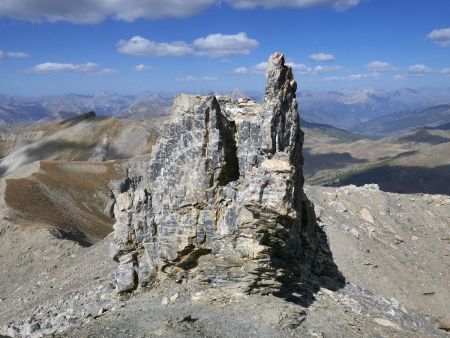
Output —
(221, 194)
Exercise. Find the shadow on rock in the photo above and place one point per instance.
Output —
(297, 283)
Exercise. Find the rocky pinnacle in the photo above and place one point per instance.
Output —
(221, 196)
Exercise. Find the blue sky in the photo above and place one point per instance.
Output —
(48, 47)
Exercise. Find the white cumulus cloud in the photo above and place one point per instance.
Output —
(18, 54)
(321, 57)
(213, 45)
(354, 77)
(220, 45)
(440, 36)
(260, 68)
(192, 78)
(418, 70)
(94, 11)
(13, 54)
(242, 70)
(143, 68)
(318, 70)
(336, 4)
(399, 77)
(445, 71)
(380, 66)
(140, 46)
(87, 68)
(300, 68)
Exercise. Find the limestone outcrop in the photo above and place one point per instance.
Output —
(222, 194)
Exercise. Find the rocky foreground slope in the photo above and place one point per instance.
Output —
(395, 271)
(215, 236)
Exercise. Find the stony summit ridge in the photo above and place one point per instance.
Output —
(212, 234)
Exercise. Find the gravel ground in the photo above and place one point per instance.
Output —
(392, 250)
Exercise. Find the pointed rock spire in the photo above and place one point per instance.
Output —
(281, 128)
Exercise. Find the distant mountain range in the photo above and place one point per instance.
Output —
(395, 123)
(19, 109)
(332, 155)
(367, 111)
(348, 109)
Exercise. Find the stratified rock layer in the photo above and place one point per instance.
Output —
(222, 192)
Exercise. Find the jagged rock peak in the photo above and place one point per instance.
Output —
(221, 195)
(280, 107)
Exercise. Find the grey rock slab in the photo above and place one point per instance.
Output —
(125, 277)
